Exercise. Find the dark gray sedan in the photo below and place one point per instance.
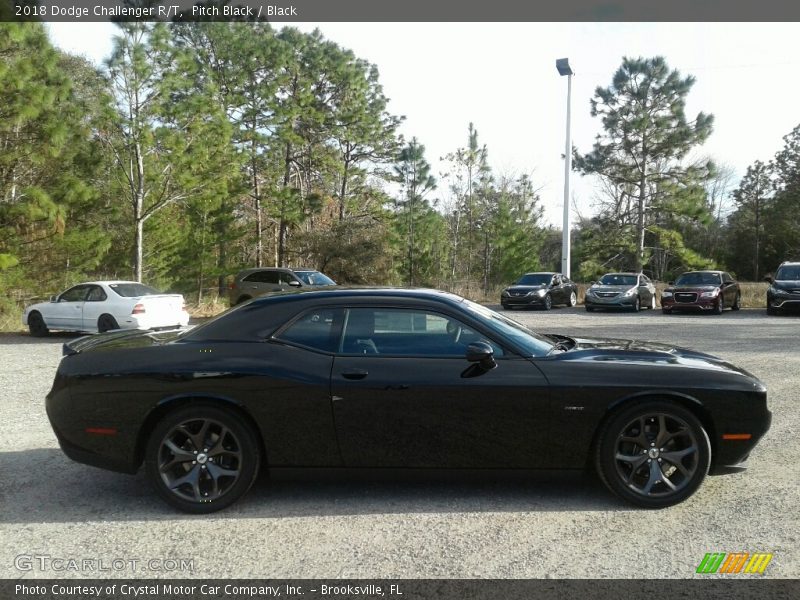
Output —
(632, 291)
(541, 290)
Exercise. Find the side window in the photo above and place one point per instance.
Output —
(96, 294)
(726, 278)
(286, 277)
(262, 277)
(318, 329)
(402, 332)
(556, 280)
(76, 294)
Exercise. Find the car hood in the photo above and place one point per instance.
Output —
(611, 288)
(786, 284)
(641, 351)
(525, 288)
(128, 338)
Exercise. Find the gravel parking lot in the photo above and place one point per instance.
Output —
(534, 527)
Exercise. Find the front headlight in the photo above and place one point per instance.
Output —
(590, 292)
(541, 293)
(505, 293)
(630, 292)
(712, 294)
(773, 290)
(666, 294)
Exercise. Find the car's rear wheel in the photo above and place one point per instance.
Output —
(548, 302)
(737, 304)
(654, 454)
(36, 325)
(573, 299)
(202, 458)
(106, 323)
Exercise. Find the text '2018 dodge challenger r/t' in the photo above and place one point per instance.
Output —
(390, 378)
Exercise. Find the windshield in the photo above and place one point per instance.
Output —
(132, 290)
(698, 279)
(314, 278)
(619, 279)
(535, 279)
(788, 273)
(532, 343)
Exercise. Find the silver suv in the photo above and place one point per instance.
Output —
(253, 282)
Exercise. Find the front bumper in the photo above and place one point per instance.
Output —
(616, 302)
(730, 455)
(507, 301)
(783, 302)
(702, 304)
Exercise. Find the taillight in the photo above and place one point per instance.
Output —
(232, 285)
(138, 309)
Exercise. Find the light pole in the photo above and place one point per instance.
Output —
(562, 64)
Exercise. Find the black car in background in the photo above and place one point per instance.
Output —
(710, 291)
(784, 290)
(541, 290)
(388, 378)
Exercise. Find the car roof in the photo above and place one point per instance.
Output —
(344, 292)
(109, 282)
(623, 273)
(541, 273)
(280, 269)
(705, 271)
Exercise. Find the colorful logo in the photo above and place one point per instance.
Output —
(734, 562)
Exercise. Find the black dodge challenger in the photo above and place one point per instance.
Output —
(394, 378)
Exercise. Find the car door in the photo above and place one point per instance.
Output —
(67, 311)
(95, 305)
(729, 289)
(557, 290)
(404, 395)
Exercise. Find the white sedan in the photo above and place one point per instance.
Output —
(105, 305)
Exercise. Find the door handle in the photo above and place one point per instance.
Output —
(355, 374)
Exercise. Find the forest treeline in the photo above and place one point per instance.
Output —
(202, 148)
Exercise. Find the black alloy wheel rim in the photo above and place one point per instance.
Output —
(200, 460)
(548, 302)
(657, 455)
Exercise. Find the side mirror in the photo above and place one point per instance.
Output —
(295, 283)
(592, 282)
(54, 298)
(481, 353)
(769, 279)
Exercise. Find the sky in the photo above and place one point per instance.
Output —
(502, 77)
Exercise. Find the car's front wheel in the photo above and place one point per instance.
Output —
(548, 302)
(202, 458)
(654, 454)
(719, 306)
(637, 304)
(36, 325)
(573, 299)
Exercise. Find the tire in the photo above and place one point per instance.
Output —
(590, 309)
(770, 311)
(548, 302)
(633, 439)
(637, 304)
(719, 306)
(573, 299)
(737, 304)
(106, 323)
(36, 325)
(173, 458)
(666, 311)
